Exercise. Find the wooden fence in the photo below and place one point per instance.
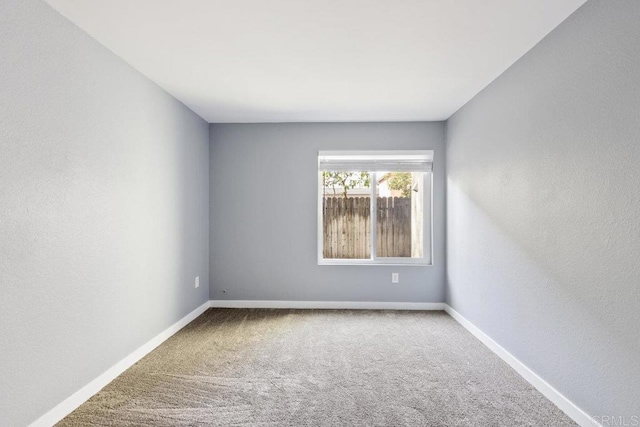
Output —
(346, 224)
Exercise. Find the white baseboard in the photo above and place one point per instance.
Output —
(328, 305)
(567, 406)
(76, 399)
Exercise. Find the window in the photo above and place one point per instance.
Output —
(374, 207)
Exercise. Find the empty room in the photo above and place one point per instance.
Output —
(319, 213)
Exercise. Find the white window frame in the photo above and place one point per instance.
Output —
(427, 231)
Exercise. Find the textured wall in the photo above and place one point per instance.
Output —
(264, 213)
(543, 207)
(103, 210)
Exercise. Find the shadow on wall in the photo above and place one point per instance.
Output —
(185, 203)
(562, 258)
(543, 208)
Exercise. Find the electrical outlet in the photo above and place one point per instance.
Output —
(197, 281)
(395, 278)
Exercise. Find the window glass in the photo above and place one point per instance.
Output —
(374, 207)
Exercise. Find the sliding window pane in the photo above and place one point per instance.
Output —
(400, 214)
(346, 214)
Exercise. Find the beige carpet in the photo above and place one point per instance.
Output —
(319, 367)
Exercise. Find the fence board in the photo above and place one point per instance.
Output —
(346, 225)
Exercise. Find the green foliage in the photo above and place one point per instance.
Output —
(345, 181)
(400, 181)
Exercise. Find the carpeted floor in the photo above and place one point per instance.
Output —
(319, 367)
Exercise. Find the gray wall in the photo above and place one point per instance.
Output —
(103, 210)
(264, 213)
(542, 208)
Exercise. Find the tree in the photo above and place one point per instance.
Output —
(345, 181)
(400, 181)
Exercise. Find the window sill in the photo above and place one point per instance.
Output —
(375, 263)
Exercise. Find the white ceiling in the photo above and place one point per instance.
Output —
(319, 60)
